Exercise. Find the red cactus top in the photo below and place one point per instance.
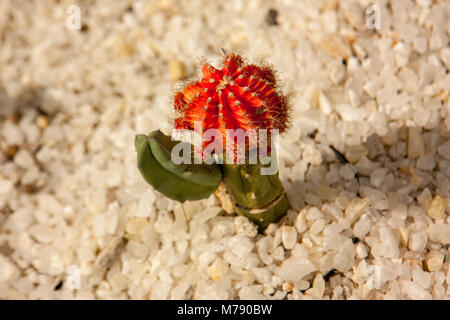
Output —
(238, 96)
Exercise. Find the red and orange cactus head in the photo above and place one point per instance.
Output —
(238, 96)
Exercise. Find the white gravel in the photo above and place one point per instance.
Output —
(78, 221)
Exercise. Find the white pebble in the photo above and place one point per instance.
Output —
(377, 177)
(444, 150)
(317, 227)
(294, 269)
(414, 291)
(288, 236)
(417, 241)
(439, 233)
(361, 251)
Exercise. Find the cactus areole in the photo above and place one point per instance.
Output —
(236, 110)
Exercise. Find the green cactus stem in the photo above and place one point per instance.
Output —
(260, 198)
(179, 182)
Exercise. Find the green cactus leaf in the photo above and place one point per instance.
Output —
(162, 145)
(178, 182)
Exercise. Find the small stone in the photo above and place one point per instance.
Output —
(362, 227)
(218, 269)
(356, 208)
(313, 214)
(111, 252)
(262, 275)
(422, 278)
(374, 146)
(312, 155)
(21, 219)
(206, 258)
(326, 193)
(124, 50)
(337, 74)
(118, 282)
(245, 227)
(414, 291)
(145, 206)
(426, 162)
(444, 150)
(390, 138)
(445, 56)
(377, 197)
(49, 261)
(12, 134)
(355, 153)
(149, 236)
(86, 252)
(226, 203)
(137, 249)
(303, 285)
(207, 214)
(163, 224)
(287, 286)
(42, 122)
(387, 245)
(403, 235)
(249, 293)
(177, 70)
(402, 54)
(377, 177)
(24, 159)
(300, 223)
(437, 207)
(313, 199)
(135, 225)
(317, 227)
(439, 233)
(417, 241)
(294, 269)
(41, 232)
(425, 198)
(318, 287)
(438, 39)
(347, 171)
(324, 103)
(8, 270)
(345, 256)
(434, 261)
(420, 44)
(416, 144)
(288, 236)
(336, 46)
(106, 223)
(361, 251)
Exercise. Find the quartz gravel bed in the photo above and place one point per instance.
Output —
(72, 202)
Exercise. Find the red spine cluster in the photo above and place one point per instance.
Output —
(238, 96)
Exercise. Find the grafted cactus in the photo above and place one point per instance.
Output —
(179, 182)
(238, 97)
